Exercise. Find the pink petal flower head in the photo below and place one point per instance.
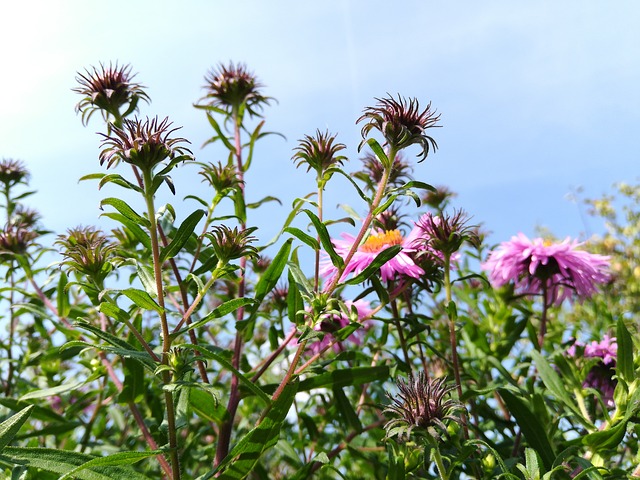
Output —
(379, 240)
(534, 265)
(600, 377)
(334, 323)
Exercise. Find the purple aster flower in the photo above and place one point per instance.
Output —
(333, 323)
(600, 377)
(534, 265)
(379, 240)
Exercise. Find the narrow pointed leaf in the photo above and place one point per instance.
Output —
(220, 311)
(624, 358)
(181, 237)
(142, 299)
(247, 452)
(325, 239)
(303, 237)
(12, 425)
(214, 355)
(64, 461)
(533, 430)
(122, 207)
(379, 152)
(120, 458)
(382, 258)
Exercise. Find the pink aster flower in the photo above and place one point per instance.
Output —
(379, 240)
(535, 265)
(600, 377)
(334, 323)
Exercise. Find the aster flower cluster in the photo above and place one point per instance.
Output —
(425, 246)
(600, 376)
(535, 266)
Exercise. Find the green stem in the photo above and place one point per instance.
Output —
(436, 456)
(377, 199)
(453, 338)
(316, 277)
(224, 438)
(166, 337)
(403, 342)
(543, 317)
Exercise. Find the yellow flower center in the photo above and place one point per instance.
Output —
(378, 240)
(547, 243)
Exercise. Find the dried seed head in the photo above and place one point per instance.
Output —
(421, 403)
(401, 123)
(439, 199)
(143, 144)
(108, 89)
(230, 244)
(320, 153)
(401, 171)
(87, 251)
(230, 87)
(15, 239)
(445, 233)
(221, 177)
(13, 172)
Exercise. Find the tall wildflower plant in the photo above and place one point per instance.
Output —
(174, 342)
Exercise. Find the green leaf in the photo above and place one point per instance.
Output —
(624, 357)
(122, 207)
(141, 235)
(557, 387)
(206, 406)
(257, 204)
(220, 311)
(379, 152)
(38, 412)
(305, 238)
(606, 439)
(182, 235)
(211, 353)
(268, 281)
(325, 239)
(48, 392)
(140, 356)
(146, 277)
(92, 176)
(133, 384)
(62, 296)
(220, 134)
(304, 287)
(142, 299)
(120, 458)
(12, 425)
(533, 430)
(382, 258)
(420, 185)
(363, 196)
(245, 455)
(341, 378)
(295, 303)
(65, 462)
(346, 410)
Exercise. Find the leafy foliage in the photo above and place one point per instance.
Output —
(177, 347)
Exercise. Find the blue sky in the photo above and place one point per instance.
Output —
(536, 98)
